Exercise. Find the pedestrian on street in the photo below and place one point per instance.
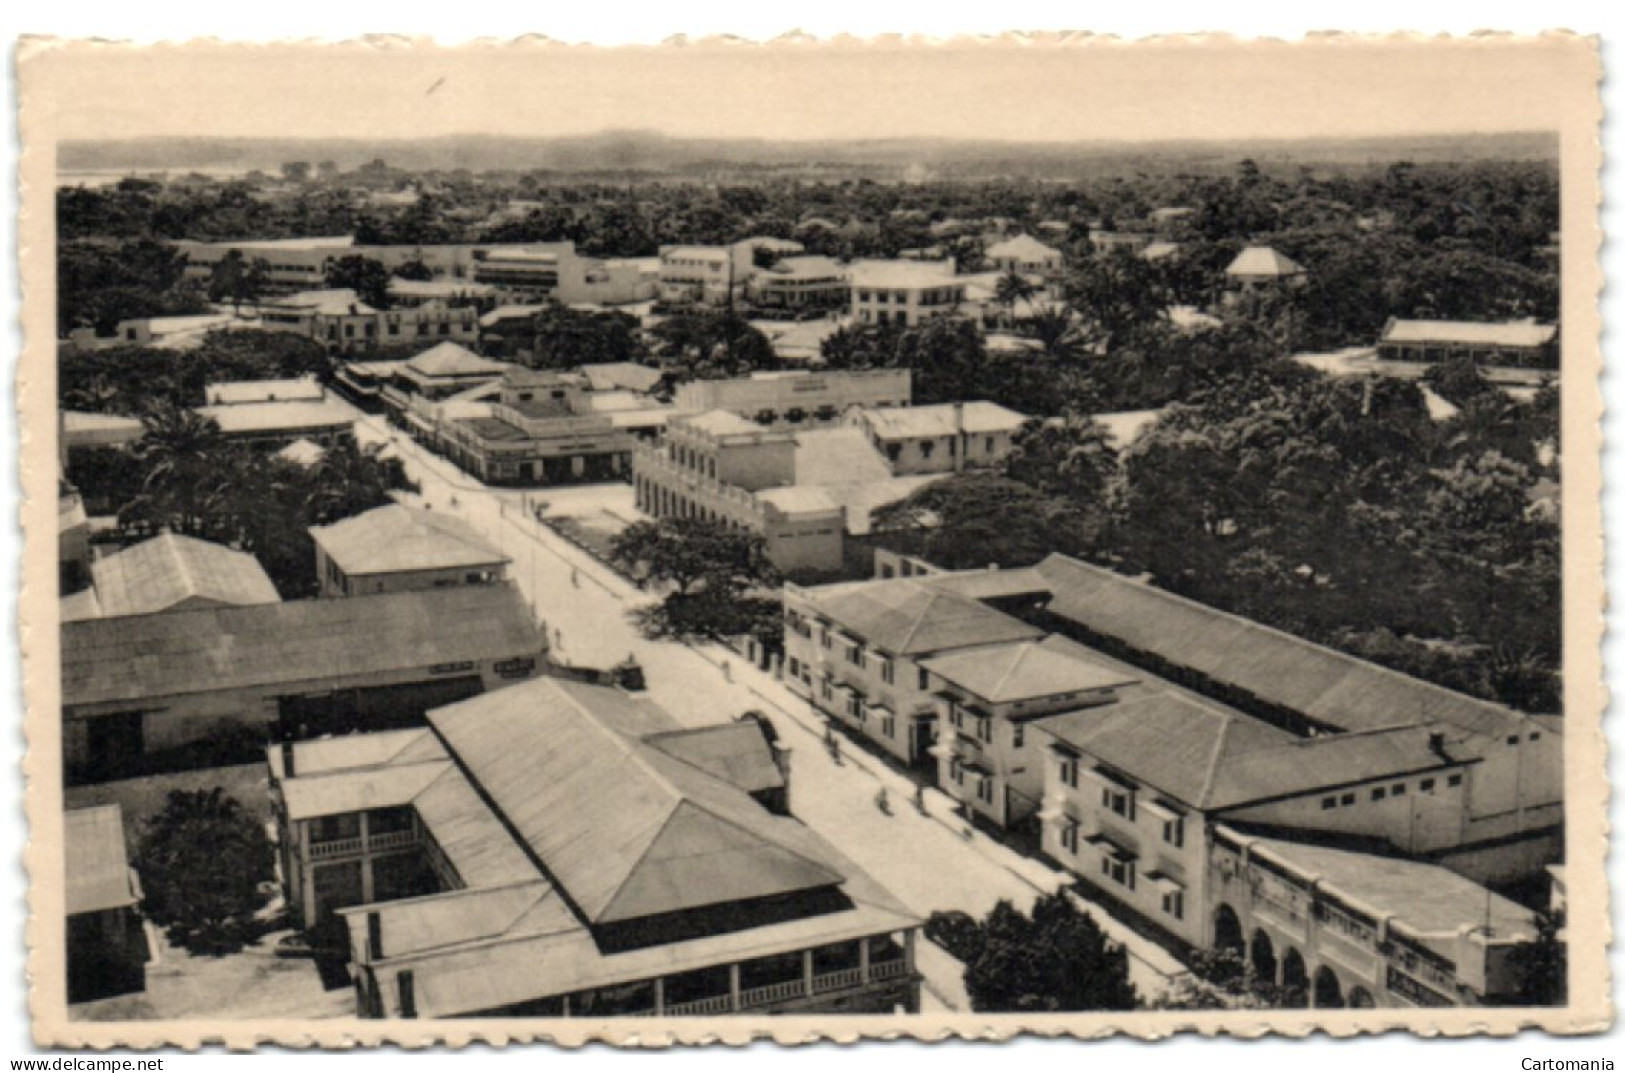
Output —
(575, 578)
(727, 671)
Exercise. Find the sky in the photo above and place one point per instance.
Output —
(1043, 92)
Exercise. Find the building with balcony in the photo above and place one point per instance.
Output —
(991, 698)
(440, 372)
(797, 399)
(1510, 820)
(399, 548)
(1026, 255)
(945, 438)
(106, 944)
(547, 428)
(452, 293)
(343, 324)
(860, 653)
(904, 292)
(800, 285)
(705, 275)
(561, 849)
(1334, 927)
(1515, 345)
(138, 687)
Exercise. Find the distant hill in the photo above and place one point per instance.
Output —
(652, 152)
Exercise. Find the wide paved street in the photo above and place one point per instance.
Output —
(931, 861)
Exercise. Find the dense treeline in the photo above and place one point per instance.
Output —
(1335, 509)
(1464, 240)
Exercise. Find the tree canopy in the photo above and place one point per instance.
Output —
(202, 861)
(1054, 960)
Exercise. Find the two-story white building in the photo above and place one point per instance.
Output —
(904, 292)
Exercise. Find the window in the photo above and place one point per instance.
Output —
(795, 667)
(854, 655)
(1398, 789)
(1173, 903)
(1426, 786)
(888, 725)
(956, 770)
(1347, 799)
(854, 706)
(1068, 771)
(1173, 831)
(1513, 740)
(1118, 870)
(926, 447)
(984, 728)
(1328, 802)
(823, 637)
(924, 679)
(888, 669)
(1119, 800)
(826, 689)
(1018, 736)
(989, 445)
(335, 828)
(956, 716)
(1378, 794)
(984, 790)
(1069, 837)
(1454, 780)
(1534, 735)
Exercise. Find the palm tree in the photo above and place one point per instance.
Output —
(177, 455)
(1011, 288)
(1058, 332)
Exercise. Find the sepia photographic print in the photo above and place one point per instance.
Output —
(812, 540)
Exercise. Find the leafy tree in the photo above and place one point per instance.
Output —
(1544, 964)
(368, 278)
(565, 338)
(237, 279)
(972, 520)
(715, 573)
(1056, 960)
(1458, 381)
(201, 861)
(415, 270)
(296, 171)
(706, 345)
(1115, 294)
(1071, 457)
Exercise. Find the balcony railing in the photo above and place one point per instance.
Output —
(337, 847)
(769, 993)
(392, 840)
(700, 1007)
(788, 990)
(888, 970)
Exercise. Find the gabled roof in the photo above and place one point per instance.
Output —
(1263, 261)
(676, 837)
(736, 752)
(1021, 248)
(170, 569)
(943, 419)
(1173, 743)
(98, 864)
(398, 538)
(906, 617)
(300, 641)
(302, 452)
(1327, 686)
(450, 359)
(1307, 764)
(1026, 670)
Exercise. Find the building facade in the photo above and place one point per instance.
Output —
(800, 399)
(475, 886)
(904, 292)
(401, 549)
(946, 438)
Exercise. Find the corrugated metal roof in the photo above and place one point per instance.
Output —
(838, 456)
(222, 648)
(471, 836)
(1173, 743)
(98, 864)
(340, 792)
(993, 584)
(453, 918)
(1308, 764)
(675, 837)
(737, 752)
(1025, 670)
(399, 538)
(1329, 687)
(170, 569)
(908, 617)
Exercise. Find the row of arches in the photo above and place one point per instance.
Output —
(1284, 970)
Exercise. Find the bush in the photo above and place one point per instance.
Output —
(956, 932)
